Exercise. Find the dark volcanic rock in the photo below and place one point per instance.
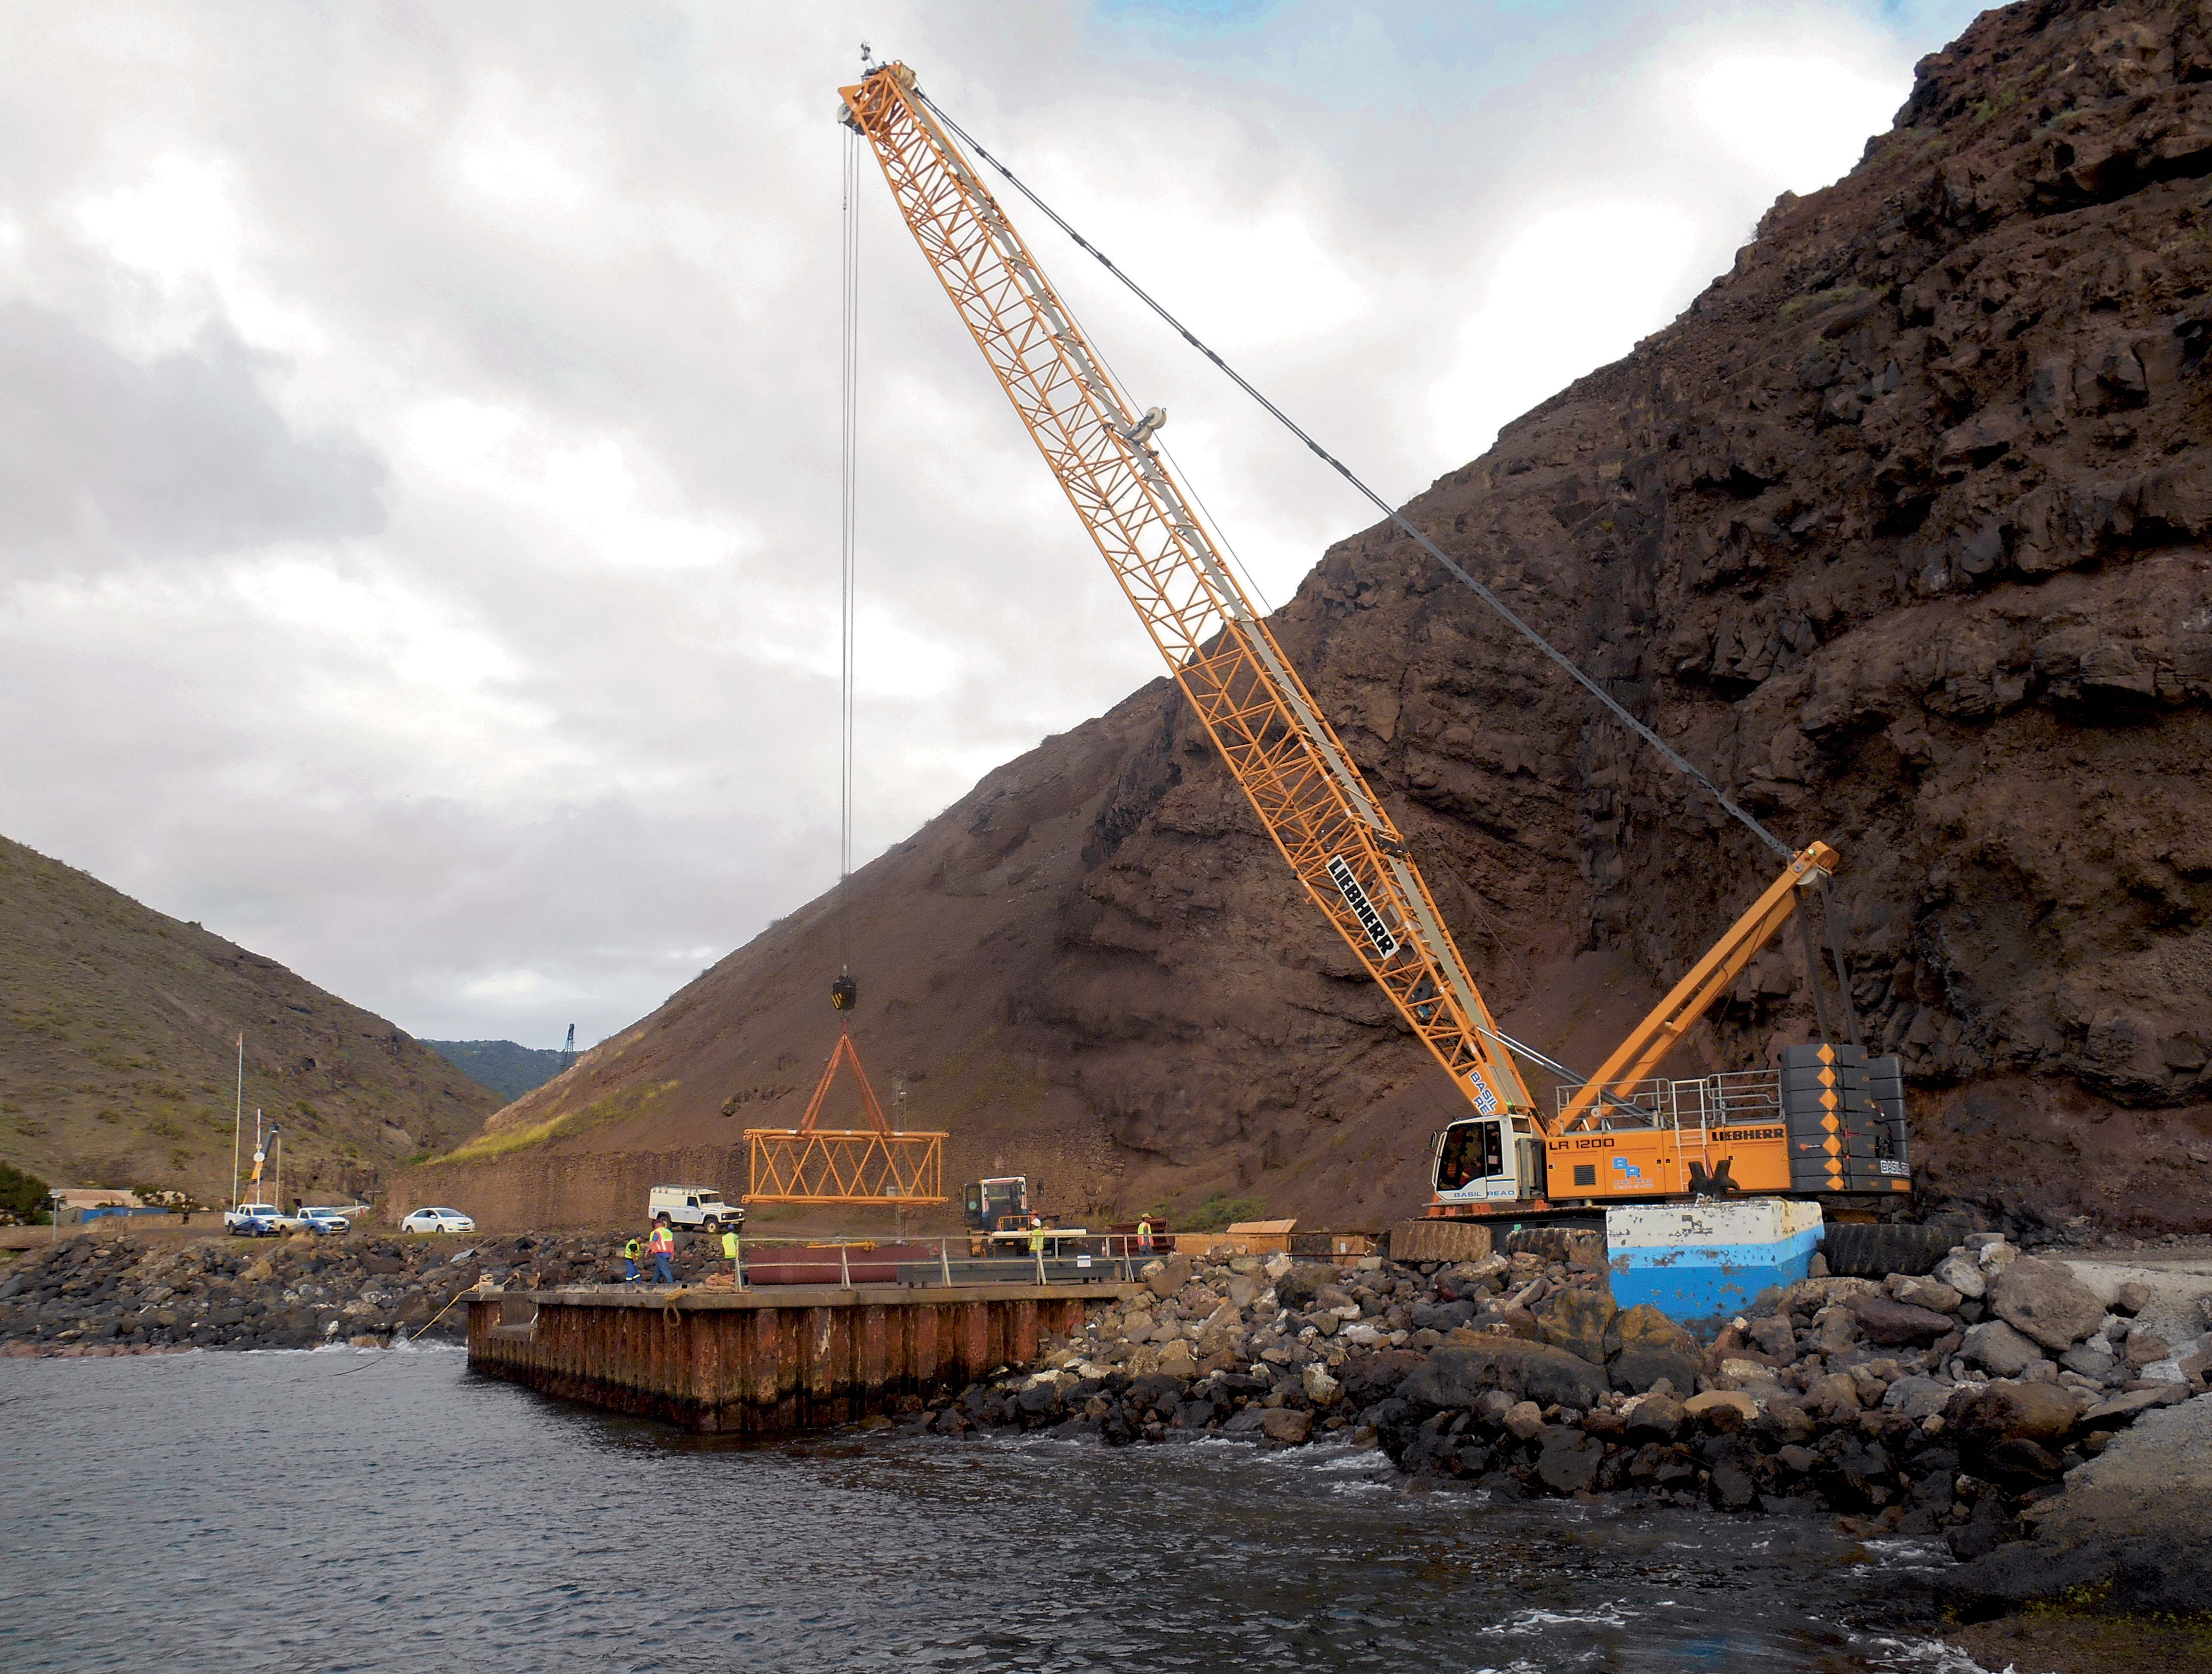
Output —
(1982, 1420)
(1458, 1376)
(1653, 1347)
(2042, 1300)
(1577, 1320)
(1371, 1377)
(2126, 1532)
(1569, 1460)
(1881, 1320)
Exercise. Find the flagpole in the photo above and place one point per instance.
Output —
(238, 1120)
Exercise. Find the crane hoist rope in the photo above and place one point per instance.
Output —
(848, 335)
(1309, 793)
(1404, 525)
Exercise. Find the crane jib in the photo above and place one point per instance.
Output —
(1378, 933)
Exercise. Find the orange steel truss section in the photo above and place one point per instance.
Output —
(875, 1165)
(1309, 793)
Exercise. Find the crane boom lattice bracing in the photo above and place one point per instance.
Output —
(1309, 795)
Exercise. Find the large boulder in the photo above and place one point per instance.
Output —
(1458, 1375)
(1651, 1347)
(1916, 1398)
(1368, 1379)
(1963, 1274)
(1287, 1427)
(1576, 1320)
(1927, 1293)
(1986, 1414)
(1164, 1278)
(1569, 1459)
(1298, 1289)
(2042, 1300)
(1895, 1324)
(1998, 1350)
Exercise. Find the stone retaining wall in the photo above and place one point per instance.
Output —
(521, 1191)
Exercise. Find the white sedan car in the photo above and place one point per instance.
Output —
(437, 1220)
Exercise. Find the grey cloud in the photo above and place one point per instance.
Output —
(183, 457)
(441, 737)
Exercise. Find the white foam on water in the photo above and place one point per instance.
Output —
(1608, 1615)
(1932, 1655)
(1909, 1554)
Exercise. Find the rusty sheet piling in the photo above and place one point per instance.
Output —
(754, 1362)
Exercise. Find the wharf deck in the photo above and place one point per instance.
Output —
(769, 1359)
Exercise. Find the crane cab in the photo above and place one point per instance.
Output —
(1487, 1159)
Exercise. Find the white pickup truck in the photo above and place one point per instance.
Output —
(260, 1221)
(700, 1206)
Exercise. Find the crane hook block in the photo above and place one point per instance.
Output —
(844, 993)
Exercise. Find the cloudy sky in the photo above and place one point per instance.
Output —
(418, 423)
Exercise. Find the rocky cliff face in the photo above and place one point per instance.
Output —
(1898, 531)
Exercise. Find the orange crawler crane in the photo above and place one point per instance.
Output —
(1505, 1155)
(873, 1165)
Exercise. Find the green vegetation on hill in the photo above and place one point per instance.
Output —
(23, 1195)
(508, 1070)
(1217, 1214)
(118, 1066)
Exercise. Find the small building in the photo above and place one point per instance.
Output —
(94, 1197)
(78, 1205)
(1243, 1238)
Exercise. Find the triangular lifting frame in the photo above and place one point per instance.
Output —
(844, 1049)
(809, 1164)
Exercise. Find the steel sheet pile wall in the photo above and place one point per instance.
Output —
(762, 1363)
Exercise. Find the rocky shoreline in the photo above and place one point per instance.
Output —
(1992, 1401)
(1952, 1403)
(123, 1296)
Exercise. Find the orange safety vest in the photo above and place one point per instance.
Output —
(662, 1242)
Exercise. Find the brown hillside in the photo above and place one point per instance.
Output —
(117, 1062)
(1899, 530)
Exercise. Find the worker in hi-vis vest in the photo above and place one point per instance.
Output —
(663, 1246)
(629, 1262)
(730, 1255)
(1145, 1235)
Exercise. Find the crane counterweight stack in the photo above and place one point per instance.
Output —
(1308, 792)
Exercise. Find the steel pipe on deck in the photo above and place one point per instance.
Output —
(767, 1362)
